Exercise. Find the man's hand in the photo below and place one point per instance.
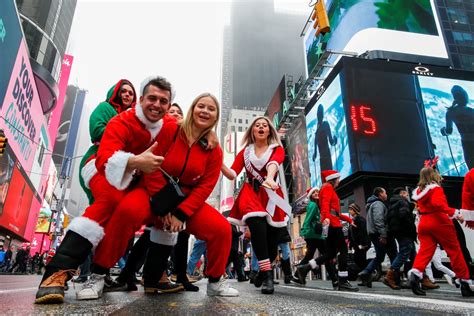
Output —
(212, 140)
(175, 224)
(146, 161)
(326, 221)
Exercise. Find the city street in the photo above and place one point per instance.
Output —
(17, 296)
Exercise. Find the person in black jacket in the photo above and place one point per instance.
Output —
(401, 226)
(359, 240)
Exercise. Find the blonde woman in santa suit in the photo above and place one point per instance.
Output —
(260, 203)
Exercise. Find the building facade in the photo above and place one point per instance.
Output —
(457, 23)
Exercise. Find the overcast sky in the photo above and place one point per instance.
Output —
(181, 40)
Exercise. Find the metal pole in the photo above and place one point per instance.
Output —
(59, 206)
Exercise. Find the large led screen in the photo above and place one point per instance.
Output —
(327, 134)
(450, 117)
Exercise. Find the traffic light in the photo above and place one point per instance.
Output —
(320, 18)
(3, 142)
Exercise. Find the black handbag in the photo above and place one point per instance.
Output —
(318, 228)
(170, 196)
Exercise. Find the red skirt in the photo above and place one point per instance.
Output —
(252, 204)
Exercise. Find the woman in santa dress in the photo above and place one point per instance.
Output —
(260, 204)
(435, 228)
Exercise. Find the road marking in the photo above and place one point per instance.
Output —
(417, 299)
(18, 290)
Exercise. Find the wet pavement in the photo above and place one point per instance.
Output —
(17, 295)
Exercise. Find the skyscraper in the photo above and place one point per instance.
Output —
(260, 46)
(457, 22)
(46, 24)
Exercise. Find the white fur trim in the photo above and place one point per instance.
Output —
(417, 196)
(259, 163)
(116, 170)
(310, 192)
(333, 176)
(267, 217)
(162, 237)
(455, 214)
(343, 274)
(87, 228)
(415, 272)
(88, 172)
(153, 127)
(467, 214)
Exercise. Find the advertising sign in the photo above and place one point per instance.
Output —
(278, 104)
(297, 148)
(22, 111)
(10, 38)
(392, 121)
(17, 205)
(410, 27)
(56, 113)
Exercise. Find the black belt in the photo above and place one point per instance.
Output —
(254, 183)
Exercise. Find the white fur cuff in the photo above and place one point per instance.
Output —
(415, 272)
(116, 170)
(456, 214)
(88, 171)
(87, 228)
(161, 237)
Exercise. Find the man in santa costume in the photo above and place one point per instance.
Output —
(435, 227)
(126, 148)
(331, 217)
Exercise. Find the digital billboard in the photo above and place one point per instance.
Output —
(297, 149)
(326, 130)
(278, 104)
(410, 27)
(389, 117)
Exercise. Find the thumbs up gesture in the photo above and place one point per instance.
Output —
(147, 161)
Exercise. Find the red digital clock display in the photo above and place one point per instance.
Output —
(362, 119)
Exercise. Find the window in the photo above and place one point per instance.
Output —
(240, 121)
(463, 38)
(240, 128)
(232, 128)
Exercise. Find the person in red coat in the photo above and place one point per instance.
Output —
(126, 148)
(468, 195)
(260, 204)
(331, 217)
(435, 227)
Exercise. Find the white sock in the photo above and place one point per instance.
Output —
(313, 263)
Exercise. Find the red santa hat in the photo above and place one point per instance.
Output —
(329, 175)
(310, 191)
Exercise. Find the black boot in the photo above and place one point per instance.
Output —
(366, 279)
(72, 252)
(252, 275)
(466, 290)
(267, 284)
(286, 267)
(302, 271)
(344, 285)
(415, 283)
(155, 264)
(258, 280)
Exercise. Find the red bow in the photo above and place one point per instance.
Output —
(431, 163)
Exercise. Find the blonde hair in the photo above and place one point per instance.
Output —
(187, 124)
(428, 176)
(273, 137)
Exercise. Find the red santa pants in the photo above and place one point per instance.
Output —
(134, 210)
(437, 228)
(106, 199)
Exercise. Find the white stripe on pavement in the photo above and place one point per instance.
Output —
(417, 299)
(18, 290)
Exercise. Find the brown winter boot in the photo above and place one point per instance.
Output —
(426, 284)
(390, 280)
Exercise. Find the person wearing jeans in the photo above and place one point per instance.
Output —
(199, 249)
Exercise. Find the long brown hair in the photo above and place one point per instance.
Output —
(273, 137)
(429, 176)
(187, 123)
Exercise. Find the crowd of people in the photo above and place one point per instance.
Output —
(149, 164)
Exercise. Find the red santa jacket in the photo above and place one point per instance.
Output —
(330, 206)
(468, 191)
(200, 174)
(275, 154)
(126, 135)
(432, 200)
